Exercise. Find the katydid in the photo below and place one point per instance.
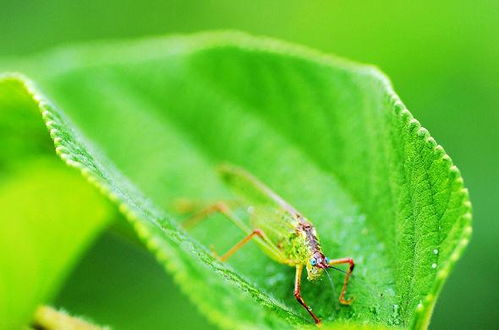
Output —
(280, 230)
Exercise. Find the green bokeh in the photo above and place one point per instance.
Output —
(117, 282)
(442, 57)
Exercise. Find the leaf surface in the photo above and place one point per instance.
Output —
(149, 121)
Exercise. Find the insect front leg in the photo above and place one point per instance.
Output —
(297, 293)
(347, 277)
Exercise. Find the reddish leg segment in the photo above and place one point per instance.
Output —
(297, 293)
(347, 277)
(205, 213)
(223, 208)
(241, 243)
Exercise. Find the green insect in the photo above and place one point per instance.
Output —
(280, 230)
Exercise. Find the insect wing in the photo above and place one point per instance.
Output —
(252, 190)
(275, 222)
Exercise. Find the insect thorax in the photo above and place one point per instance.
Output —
(295, 247)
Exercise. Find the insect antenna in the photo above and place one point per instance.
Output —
(345, 272)
(335, 299)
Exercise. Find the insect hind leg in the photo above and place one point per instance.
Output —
(224, 209)
(241, 243)
(221, 207)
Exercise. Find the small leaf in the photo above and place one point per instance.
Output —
(49, 213)
(49, 318)
(149, 121)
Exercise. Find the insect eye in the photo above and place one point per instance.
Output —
(313, 262)
(327, 260)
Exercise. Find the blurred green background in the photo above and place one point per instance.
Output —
(442, 57)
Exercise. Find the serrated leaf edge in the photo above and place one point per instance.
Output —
(206, 40)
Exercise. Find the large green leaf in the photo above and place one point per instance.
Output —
(148, 122)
